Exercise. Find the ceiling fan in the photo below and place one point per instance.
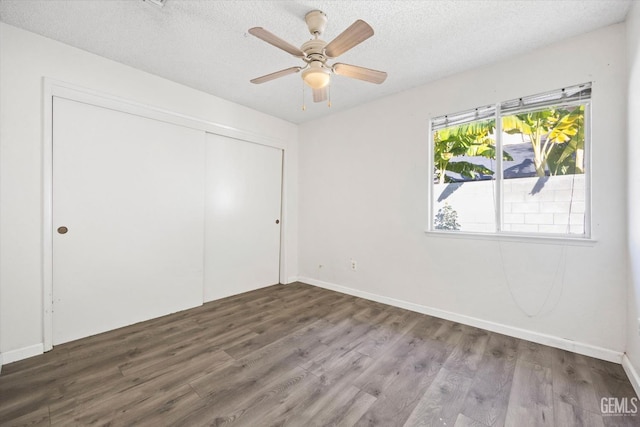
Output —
(316, 73)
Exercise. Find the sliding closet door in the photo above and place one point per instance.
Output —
(128, 219)
(243, 192)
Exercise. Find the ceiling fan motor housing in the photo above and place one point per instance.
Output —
(314, 50)
(316, 21)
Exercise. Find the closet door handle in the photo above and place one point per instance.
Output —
(277, 221)
(62, 230)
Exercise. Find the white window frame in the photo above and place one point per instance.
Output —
(499, 234)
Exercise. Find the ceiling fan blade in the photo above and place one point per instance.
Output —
(320, 95)
(276, 41)
(360, 73)
(358, 32)
(275, 75)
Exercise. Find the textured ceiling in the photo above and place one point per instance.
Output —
(205, 44)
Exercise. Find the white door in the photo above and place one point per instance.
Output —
(243, 191)
(130, 191)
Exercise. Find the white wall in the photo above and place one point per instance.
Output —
(25, 58)
(363, 196)
(633, 154)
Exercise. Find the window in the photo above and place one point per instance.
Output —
(520, 166)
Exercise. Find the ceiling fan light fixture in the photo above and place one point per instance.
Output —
(316, 76)
(316, 72)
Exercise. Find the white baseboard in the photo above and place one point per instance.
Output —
(21, 353)
(550, 340)
(537, 337)
(634, 378)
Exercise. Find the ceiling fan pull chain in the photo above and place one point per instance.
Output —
(304, 107)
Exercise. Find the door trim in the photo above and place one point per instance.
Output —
(55, 88)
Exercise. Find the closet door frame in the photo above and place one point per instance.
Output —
(54, 88)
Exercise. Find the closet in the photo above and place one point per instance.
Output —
(152, 217)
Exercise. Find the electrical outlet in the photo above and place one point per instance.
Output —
(354, 265)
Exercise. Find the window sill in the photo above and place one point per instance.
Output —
(514, 237)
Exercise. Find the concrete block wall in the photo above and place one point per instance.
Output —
(554, 204)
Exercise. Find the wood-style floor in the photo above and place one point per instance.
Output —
(303, 356)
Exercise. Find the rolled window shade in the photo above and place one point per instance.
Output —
(558, 97)
(547, 99)
(481, 113)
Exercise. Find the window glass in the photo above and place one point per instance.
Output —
(464, 169)
(539, 183)
(544, 182)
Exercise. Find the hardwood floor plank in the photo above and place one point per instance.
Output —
(609, 383)
(408, 371)
(334, 377)
(384, 370)
(450, 333)
(288, 407)
(301, 355)
(248, 408)
(150, 380)
(38, 417)
(488, 397)
(344, 409)
(343, 310)
(33, 365)
(566, 414)
(531, 398)
(320, 407)
(468, 354)
(610, 379)
(21, 403)
(536, 353)
(20, 399)
(351, 335)
(283, 323)
(464, 421)
(572, 381)
(148, 408)
(161, 409)
(332, 367)
(441, 403)
(413, 375)
(263, 365)
(242, 310)
(177, 353)
(185, 369)
(387, 333)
